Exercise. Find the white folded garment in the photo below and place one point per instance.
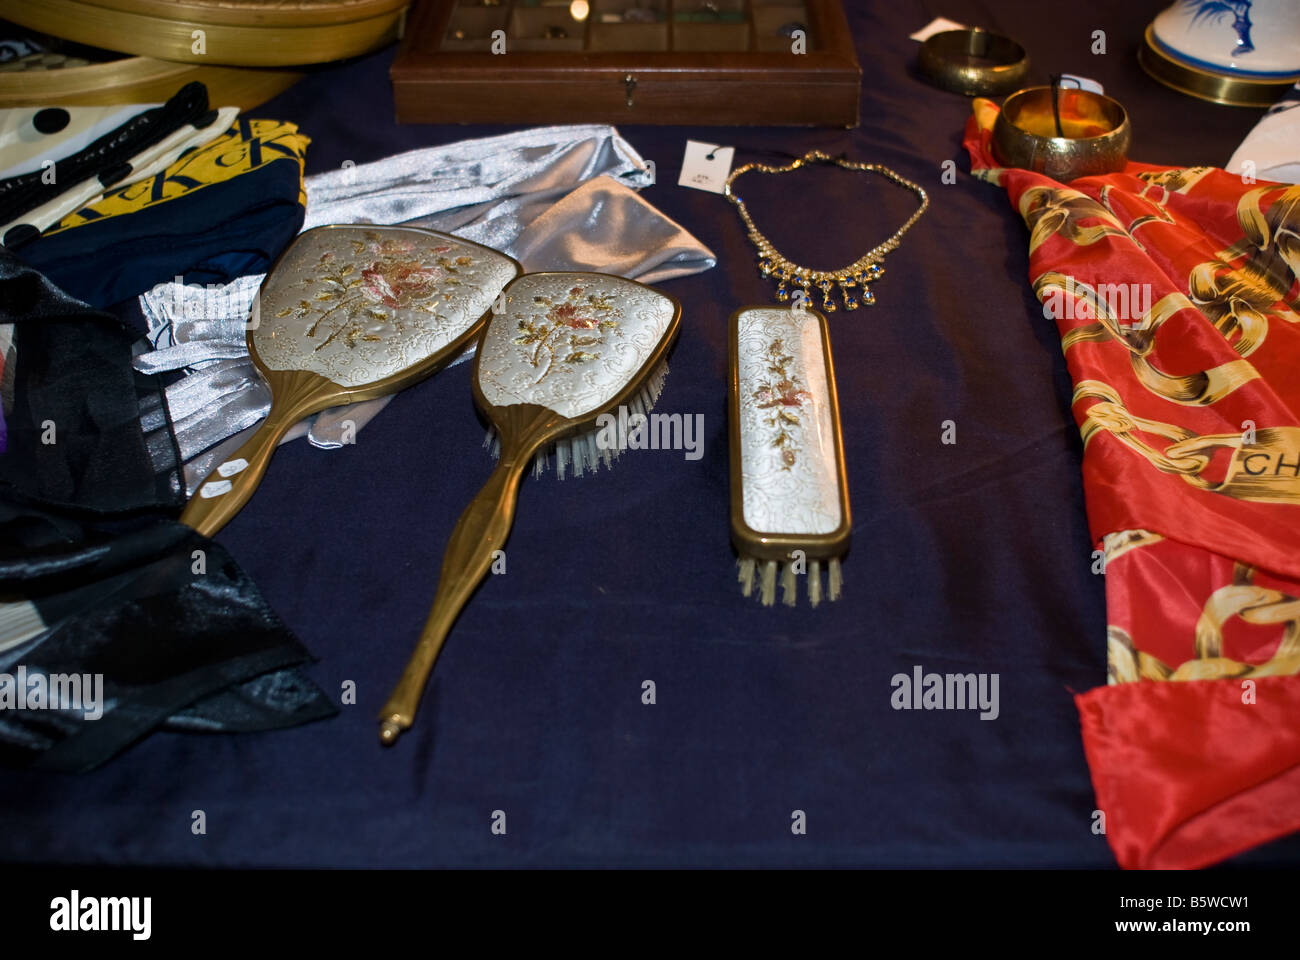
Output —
(1271, 151)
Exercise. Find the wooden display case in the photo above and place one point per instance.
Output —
(628, 61)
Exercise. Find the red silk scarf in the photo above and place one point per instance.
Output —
(1175, 294)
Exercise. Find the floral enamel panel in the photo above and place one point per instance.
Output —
(356, 304)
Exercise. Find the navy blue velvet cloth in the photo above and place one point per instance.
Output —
(973, 557)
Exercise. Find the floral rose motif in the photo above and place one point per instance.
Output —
(402, 273)
(395, 283)
(547, 332)
(570, 315)
(783, 393)
(783, 397)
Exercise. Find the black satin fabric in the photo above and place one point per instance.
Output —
(164, 638)
(179, 632)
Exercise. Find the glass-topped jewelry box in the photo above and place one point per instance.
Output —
(787, 62)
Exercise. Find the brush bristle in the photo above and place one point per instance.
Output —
(789, 585)
(767, 574)
(767, 593)
(746, 575)
(582, 454)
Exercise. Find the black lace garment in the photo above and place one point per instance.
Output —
(96, 576)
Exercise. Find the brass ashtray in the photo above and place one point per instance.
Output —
(1062, 132)
(974, 62)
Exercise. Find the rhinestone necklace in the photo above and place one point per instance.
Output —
(861, 273)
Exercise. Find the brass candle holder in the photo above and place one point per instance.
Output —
(1062, 132)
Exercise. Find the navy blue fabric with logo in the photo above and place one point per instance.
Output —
(212, 233)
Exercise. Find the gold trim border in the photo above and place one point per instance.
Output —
(777, 546)
(1216, 87)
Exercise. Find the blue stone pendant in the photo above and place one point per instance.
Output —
(795, 283)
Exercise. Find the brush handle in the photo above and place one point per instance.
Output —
(220, 496)
(481, 530)
(226, 489)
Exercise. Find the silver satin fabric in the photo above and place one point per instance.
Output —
(484, 190)
(604, 227)
(555, 198)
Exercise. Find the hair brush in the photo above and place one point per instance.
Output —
(789, 494)
(350, 313)
(566, 349)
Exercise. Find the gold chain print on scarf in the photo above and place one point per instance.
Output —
(1238, 292)
(1197, 389)
(1264, 464)
(1060, 210)
(1259, 606)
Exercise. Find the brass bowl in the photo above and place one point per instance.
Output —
(974, 62)
(1096, 127)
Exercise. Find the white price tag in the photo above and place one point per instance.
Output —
(706, 166)
(937, 25)
(1083, 83)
